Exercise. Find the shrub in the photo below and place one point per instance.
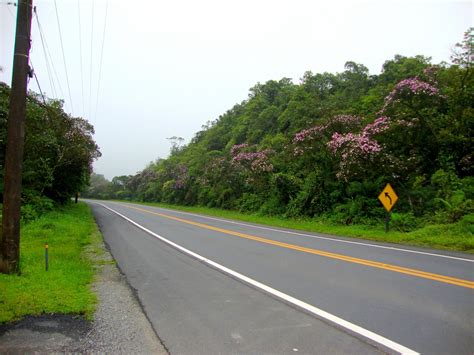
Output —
(404, 222)
(250, 202)
(272, 207)
(34, 205)
(453, 196)
(451, 210)
(467, 223)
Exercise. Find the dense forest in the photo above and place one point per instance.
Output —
(326, 147)
(59, 151)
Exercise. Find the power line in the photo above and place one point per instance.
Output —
(48, 67)
(39, 87)
(90, 72)
(37, 82)
(64, 56)
(45, 42)
(46, 107)
(80, 52)
(101, 57)
(8, 8)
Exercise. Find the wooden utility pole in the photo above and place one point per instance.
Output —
(10, 237)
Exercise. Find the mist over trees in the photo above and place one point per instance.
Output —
(327, 146)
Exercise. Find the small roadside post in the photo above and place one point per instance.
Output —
(388, 198)
(46, 259)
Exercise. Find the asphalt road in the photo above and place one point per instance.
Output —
(395, 298)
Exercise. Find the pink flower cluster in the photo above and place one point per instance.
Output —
(413, 86)
(307, 134)
(347, 120)
(353, 144)
(261, 165)
(355, 148)
(310, 133)
(258, 160)
(181, 176)
(416, 86)
(378, 126)
(250, 156)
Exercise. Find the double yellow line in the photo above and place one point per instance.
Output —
(375, 264)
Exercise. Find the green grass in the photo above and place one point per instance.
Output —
(457, 237)
(65, 288)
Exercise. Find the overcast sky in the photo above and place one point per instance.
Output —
(170, 66)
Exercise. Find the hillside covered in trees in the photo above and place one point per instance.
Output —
(326, 147)
(59, 151)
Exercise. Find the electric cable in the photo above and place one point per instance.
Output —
(90, 71)
(37, 83)
(9, 10)
(80, 53)
(40, 90)
(47, 108)
(48, 65)
(64, 56)
(101, 58)
(58, 82)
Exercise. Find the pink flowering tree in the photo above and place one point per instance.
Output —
(255, 161)
(218, 184)
(251, 165)
(360, 152)
(315, 167)
(174, 181)
(311, 139)
(181, 176)
(391, 145)
(413, 94)
(418, 111)
(218, 170)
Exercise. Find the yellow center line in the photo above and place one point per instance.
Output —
(375, 264)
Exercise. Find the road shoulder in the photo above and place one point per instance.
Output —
(119, 324)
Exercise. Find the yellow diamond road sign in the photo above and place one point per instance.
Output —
(388, 197)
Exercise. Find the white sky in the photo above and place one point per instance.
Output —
(171, 66)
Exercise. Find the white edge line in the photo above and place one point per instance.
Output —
(309, 235)
(318, 312)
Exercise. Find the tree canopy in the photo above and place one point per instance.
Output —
(327, 145)
(59, 151)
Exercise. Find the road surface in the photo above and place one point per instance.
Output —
(210, 285)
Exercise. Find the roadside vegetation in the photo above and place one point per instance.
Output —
(58, 156)
(59, 151)
(71, 233)
(319, 152)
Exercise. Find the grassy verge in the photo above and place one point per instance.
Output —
(458, 236)
(65, 288)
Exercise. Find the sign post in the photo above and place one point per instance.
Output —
(388, 197)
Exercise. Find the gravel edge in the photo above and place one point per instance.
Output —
(119, 326)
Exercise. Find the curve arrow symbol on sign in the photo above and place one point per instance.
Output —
(388, 197)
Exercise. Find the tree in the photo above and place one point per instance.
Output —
(326, 146)
(59, 149)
